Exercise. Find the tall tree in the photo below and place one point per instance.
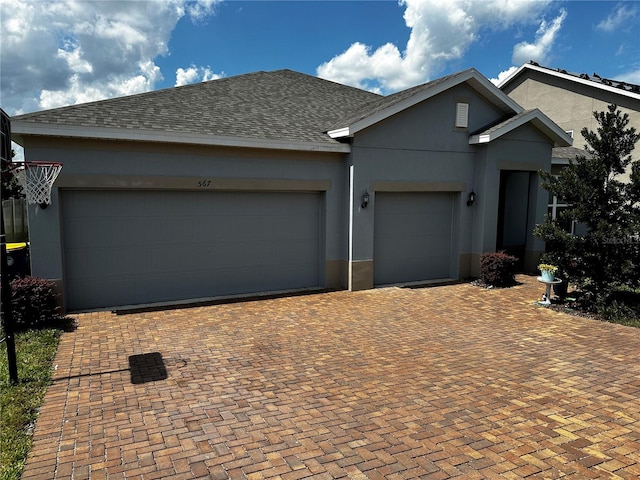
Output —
(10, 186)
(607, 257)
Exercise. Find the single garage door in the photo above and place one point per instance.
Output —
(137, 247)
(412, 237)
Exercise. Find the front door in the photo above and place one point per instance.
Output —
(513, 214)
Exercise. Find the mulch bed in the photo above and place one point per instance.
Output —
(566, 305)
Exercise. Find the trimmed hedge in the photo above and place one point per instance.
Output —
(34, 302)
(498, 269)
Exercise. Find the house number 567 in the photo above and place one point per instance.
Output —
(204, 183)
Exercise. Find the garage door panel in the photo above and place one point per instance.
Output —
(413, 269)
(406, 204)
(412, 237)
(421, 224)
(402, 247)
(132, 247)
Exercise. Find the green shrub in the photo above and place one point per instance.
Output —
(622, 307)
(619, 312)
(498, 269)
(34, 302)
(604, 258)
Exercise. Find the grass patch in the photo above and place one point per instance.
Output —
(20, 404)
(623, 308)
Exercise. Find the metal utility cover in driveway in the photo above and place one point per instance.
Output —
(135, 247)
(412, 237)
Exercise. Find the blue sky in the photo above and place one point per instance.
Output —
(73, 51)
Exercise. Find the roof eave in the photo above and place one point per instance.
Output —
(554, 132)
(478, 139)
(340, 133)
(538, 119)
(20, 130)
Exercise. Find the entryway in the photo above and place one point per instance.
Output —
(513, 214)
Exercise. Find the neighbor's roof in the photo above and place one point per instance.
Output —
(283, 108)
(564, 154)
(596, 81)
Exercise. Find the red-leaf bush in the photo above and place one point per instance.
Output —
(498, 269)
(34, 302)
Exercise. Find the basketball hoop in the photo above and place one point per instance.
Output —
(37, 179)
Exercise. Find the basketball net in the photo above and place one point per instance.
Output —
(37, 179)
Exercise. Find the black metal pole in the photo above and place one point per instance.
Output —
(7, 307)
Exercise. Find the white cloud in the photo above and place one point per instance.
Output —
(621, 14)
(78, 91)
(201, 9)
(60, 52)
(74, 57)
(440, 32)
(630, 77)
(540, 49)
(195, 74)
(503, 75)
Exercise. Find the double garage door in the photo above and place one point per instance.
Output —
(137, 247)
(413, 234)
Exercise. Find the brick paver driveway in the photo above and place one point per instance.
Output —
(389, 383)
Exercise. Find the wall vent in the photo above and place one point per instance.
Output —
(462, 115)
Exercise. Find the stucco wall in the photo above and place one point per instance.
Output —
(100, 164)
(420, 149)
(569, 104)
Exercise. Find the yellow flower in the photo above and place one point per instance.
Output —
(548, 267)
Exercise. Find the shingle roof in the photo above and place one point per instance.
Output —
(279, 105)
(570, 153)
(380, 103)
(279, 109)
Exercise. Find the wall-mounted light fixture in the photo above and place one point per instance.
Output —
(365, 199)
(472, 198)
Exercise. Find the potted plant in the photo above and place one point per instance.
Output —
(561, 289)
(548, 271)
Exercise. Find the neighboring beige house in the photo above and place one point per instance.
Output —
(570, 99)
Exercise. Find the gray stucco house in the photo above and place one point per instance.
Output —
(280, 181)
